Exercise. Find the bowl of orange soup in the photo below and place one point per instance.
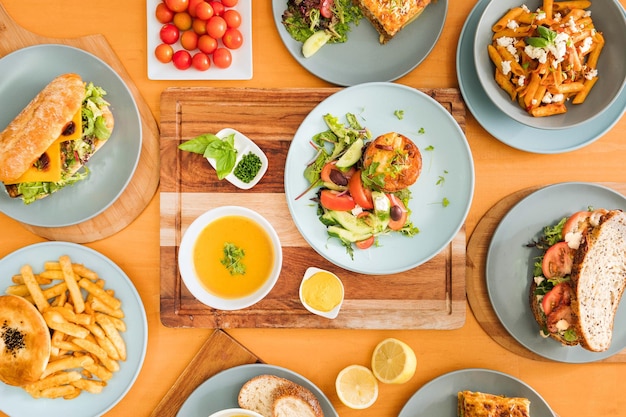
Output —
(230, 257)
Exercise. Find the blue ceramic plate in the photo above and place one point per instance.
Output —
(221, 390)
(509, 131)
(510, 264)
(362, 58)
(439, 396)
(447, 173)
(15, 401)
(25, 72)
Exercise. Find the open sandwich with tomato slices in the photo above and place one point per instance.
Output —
(362, 184)
(580, 277)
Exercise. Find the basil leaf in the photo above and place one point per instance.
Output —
(225, 163)
(537, 42)
(198, 144)
(547, 34)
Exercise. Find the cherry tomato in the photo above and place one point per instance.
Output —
(199, 26)
(230, 3)
(182, 20)
(325, 8)
(364, 244)
(232, 18)
(182, 59)
(555, 297)
(216, 27)
(207, 44)
(401, 212)
(334, 200)
(169, 33)
(164, 53)
(218, 8)
(200, 61)
(191, 7)
(558, 261)
(204, 11)
(177, 5)
(222, 58)
(232, 38)
(576, 222)
(189, 40)
(163, 13)
(361, 195)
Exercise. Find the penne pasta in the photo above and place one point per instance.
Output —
(504, 20)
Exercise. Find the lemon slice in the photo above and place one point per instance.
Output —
(315, 42)
(393, 361)
(356, 387)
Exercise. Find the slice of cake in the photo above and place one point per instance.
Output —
(389, 16)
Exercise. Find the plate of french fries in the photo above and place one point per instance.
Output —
(97, 323)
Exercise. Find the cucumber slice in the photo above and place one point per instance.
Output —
(315, 42)
(352, 155)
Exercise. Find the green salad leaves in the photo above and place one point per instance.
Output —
(303, 18)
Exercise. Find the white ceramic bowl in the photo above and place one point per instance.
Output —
(328, 314)
(608, 18)
(186, 264)
(236, 412)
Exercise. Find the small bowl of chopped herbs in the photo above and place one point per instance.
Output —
(234, 156)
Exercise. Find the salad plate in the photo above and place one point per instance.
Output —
(510, 263)
(220, 391)
(28, 71)
(362, 58)
(18, 403)
(510, 132)
(240, 69)
(439, 396)
(441, 196)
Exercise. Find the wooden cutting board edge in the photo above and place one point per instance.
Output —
(476, 287)
(143, 185)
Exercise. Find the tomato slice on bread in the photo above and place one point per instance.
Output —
(576, 222)
(558, 261)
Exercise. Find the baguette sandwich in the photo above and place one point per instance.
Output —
(44, 148)
(389, 16)
(580, 278)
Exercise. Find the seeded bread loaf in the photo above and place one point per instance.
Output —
(599, 278)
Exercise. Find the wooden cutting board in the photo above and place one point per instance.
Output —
(431, 296)
(145, 180)
(477, 295)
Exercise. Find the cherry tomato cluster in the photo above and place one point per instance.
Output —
(203, 29)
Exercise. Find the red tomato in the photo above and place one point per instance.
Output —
(199, 26)
(164, 53)
(177, 5)
(216, 27)
(576, 222)
(207, 44)
(232, 18)
(204, 11)
(232, 38)
(169, 33)
(230, 3)
(398, 215)
(189, 40)
(325, 8)
(191, 8)
(222, 58)
(218, 8)
(361, 195)
(200, 61)
(182, 59)
(163, 13)
(555, 297)
(558, 261)
(364, 244)
(334, 200)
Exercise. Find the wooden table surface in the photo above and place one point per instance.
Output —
(572, 390)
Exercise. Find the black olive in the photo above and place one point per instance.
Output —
(337, 177)
(395, 213)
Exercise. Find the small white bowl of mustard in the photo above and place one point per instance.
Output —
(321, 292)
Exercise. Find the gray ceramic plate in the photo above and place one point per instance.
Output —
(220, 391)
(15, 401)
(25, 72)
(439, 396)
(509, 131)
(608, 17)
(362, 58)
(510, 265)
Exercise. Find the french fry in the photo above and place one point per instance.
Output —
(102, 373)
(111, 331)
(98, 352)
(72, 284)
(33, 288)
(89, 385)
(100, 293)
(62, 378)
(55, 321)
(68, 362)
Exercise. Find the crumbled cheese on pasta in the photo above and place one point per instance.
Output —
(541, 15)
(587, 42)
(572, 25)
(591, 74)
(512, 24)
(549, 98)
(508, 43)
(506, 67)
(525, 8)
(521, 80)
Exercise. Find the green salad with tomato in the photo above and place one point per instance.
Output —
(303, 18)
(352, 203)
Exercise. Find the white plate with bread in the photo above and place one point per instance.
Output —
(258, 387)
(510, 266)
